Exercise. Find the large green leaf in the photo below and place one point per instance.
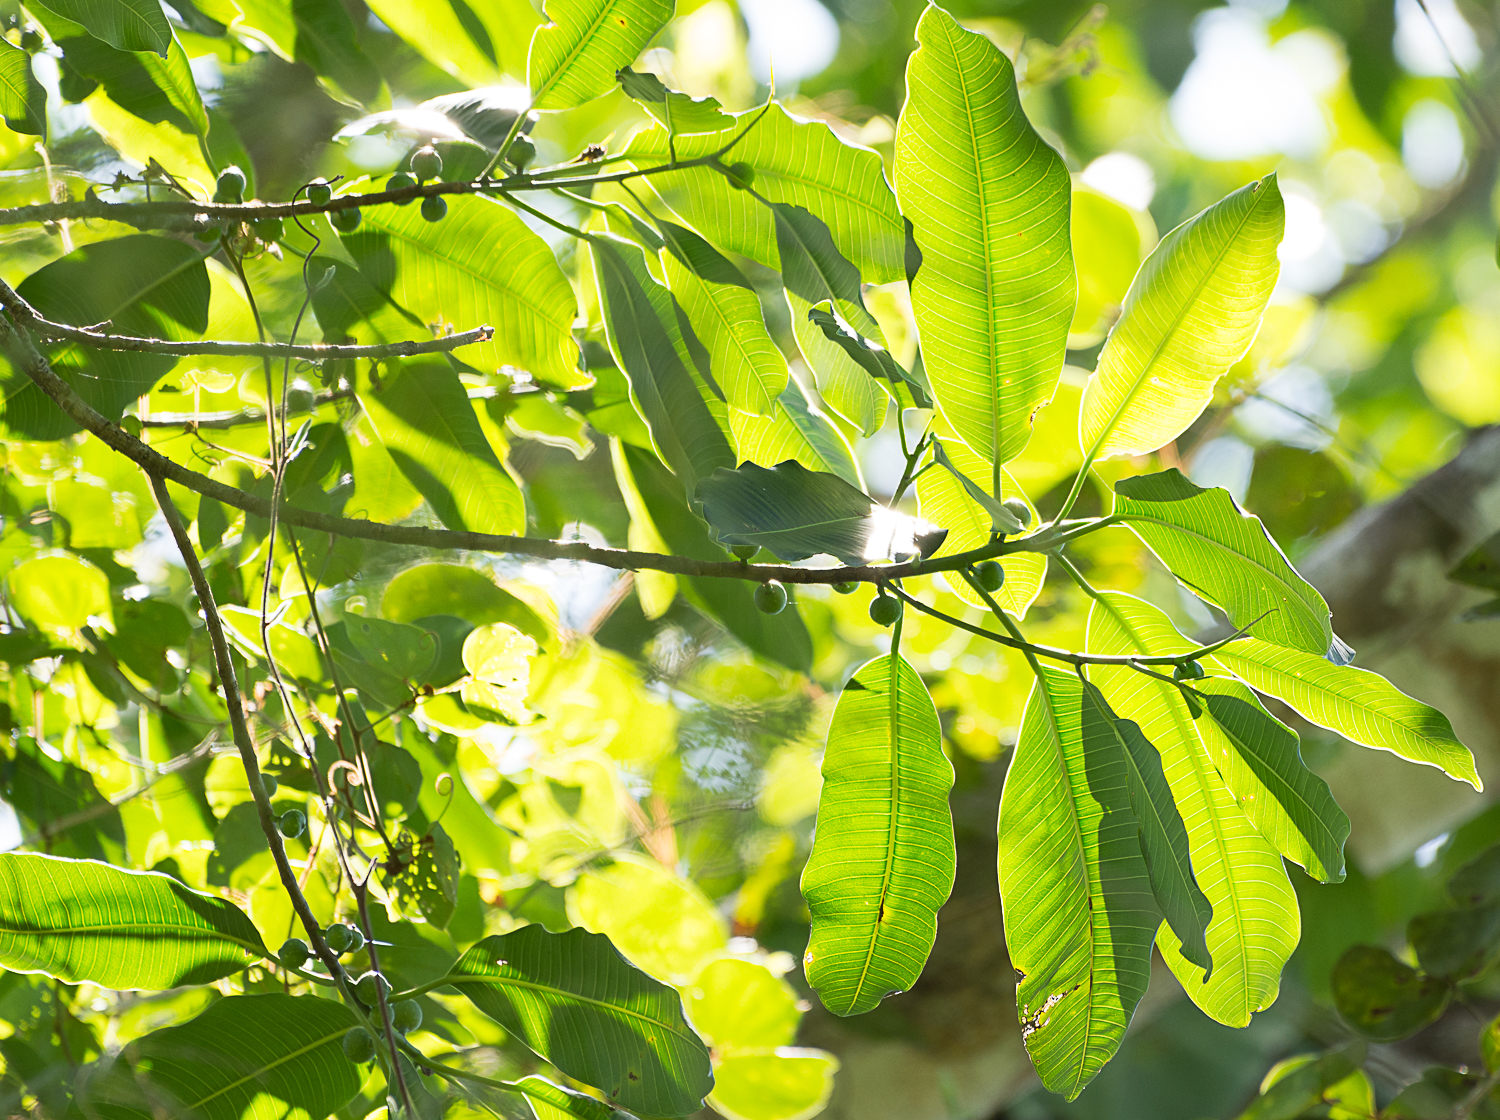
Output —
(796, 161)
(725, 314)
(1255, 917)
(574, 57)
(476, 43)
(23, 101)
(883, 858)
(423, 417)
(1191, 312)
(127, 25)
(796, 513)
(245, 1058)
(1228, 558)
(142, 285)
(157, 88)
(1080, 918)
(327, 42)
(479, 265)
(641, 321)
(1360, 705)
(794, 430)
(576, 1002)
(682, 114)
(1163, 836)
(777, 637)
(988, 201)
(83, 921)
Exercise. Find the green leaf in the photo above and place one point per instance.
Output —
(1255, 918)
(682, 114)
(1108, 240)
(883, 859)
(153, 287)
(796, 161)
(553, 1102)
(988, 201)
(1360, 705)
(425, 421)
(574, 1001)
(261, 1055)
(1163, 836)
(1002, 521)
(476, 43)
(797, 513)
(327, 42)
(457, 589)
(814, 272)
(405, 652)
(946, 501)
(786, 1084)
(777, 637)
(794, 430)
(499, 658)
(1227, 558)
(641, 322)
(574, 57)
(725, 314)
(1382, 998)
(1260, 759)
(450, 273)
(157, 88)
(1456, 944)
(1191, 312)
(1080, 918)
(23, 101)
(737, 1004)
(126, 25)
(1306, 1086)
(82, 921)
(59, 592)
(871, 357)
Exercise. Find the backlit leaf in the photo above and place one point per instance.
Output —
(82, 921)
(23, 101)
(684, 115)
(574, 57)
(1191, 313)
(574, 1001)
(883, 859)
(988, 201)
(127, 25)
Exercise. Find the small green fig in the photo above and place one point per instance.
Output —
(848, 587)
(292, 823)
(884, 610)
(1020, 509)
(231, 185)
(371, 987)
(426, 163)
(293, 952)
(741, 175)
(406, 1016)
(400, 181)
(434, 208)
(319, 192)
(989, 575)
(744, 551)
(347, 220)
(1189, 671)
(770, 597)
(338, 937)
(359, 1046)
(521, 152)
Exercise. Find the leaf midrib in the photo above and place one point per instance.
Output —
(281, 1061)
(893, 731)
(207, 933)
(574, 52)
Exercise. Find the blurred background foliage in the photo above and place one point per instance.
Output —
(665, 794)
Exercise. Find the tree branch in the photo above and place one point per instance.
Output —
(27, 316)
(28, 358)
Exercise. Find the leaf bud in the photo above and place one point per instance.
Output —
(770, 597)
